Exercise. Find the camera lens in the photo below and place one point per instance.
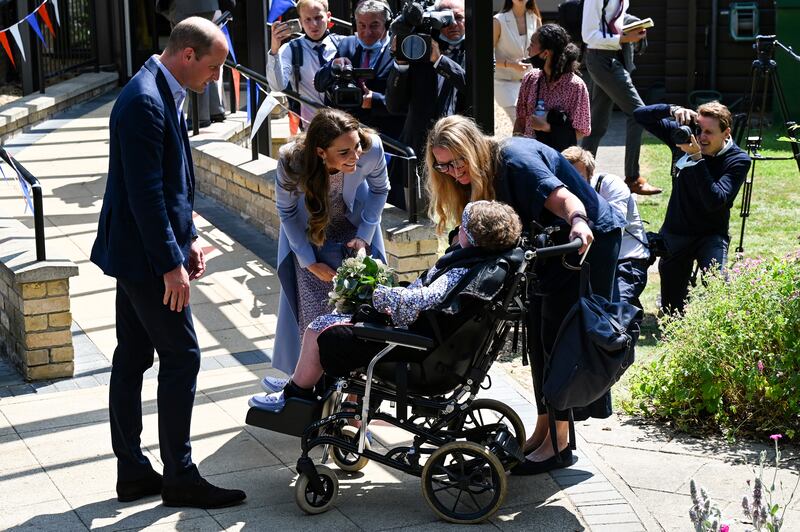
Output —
(682, 135)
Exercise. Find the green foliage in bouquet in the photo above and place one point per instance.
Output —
(731, 364)
(355, 281)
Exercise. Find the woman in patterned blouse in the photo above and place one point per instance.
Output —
(553, 103)
(488, 225)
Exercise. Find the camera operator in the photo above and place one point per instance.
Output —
(710, 171)
(368, 48)
(427, 90)
(297, 61)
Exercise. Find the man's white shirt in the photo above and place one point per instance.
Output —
(280, 72)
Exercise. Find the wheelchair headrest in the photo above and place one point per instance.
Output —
(483, 282)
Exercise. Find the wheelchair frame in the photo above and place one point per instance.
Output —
(493, 448)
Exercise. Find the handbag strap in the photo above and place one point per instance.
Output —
(585, 288)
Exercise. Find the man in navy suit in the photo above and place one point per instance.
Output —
(147, 240)
(368, 48)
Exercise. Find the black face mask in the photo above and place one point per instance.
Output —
(536, 61)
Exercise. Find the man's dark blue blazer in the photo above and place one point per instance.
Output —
(378, 116)
(145, 226)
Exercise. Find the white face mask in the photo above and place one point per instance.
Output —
(376, 46)
(451, 42)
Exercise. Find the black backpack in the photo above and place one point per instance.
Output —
(570, 17)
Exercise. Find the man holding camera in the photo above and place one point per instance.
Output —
(367, 49)
(709, 173)
(429, 89)
(297, 61)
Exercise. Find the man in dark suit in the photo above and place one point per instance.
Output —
(368, 48)
(427, 91)
(146, 239)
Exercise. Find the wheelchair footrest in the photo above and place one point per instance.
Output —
(296, 416)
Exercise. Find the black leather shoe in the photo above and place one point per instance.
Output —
(132, 490)
(529, 467)
(200, 494)
(218, 118)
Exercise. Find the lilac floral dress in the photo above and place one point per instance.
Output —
(312, 294)
(403, 303)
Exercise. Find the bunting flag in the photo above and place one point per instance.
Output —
(277, 8)
(266, 108)
(294, 123)
(7, 48)
(34, 23)
(46, 18)
(15, 33)
(249, 91)
(54, 3)
(230, 44)
(237, 78)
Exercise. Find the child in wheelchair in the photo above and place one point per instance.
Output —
(487, 228)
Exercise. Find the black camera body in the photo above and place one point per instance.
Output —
(415, 28)
(683, 135)
(345, 91)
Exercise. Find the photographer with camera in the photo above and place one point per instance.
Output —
(709, 173)
(355, 80)
(427, 80)
(296, 62)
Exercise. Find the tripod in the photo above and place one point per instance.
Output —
(764, 68)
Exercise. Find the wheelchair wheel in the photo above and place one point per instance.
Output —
(463, 483)
(345, 460)
(484, 412)
(314, 503)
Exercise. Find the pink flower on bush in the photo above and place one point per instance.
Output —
(760, 366)
(776, 437)
(723, 528)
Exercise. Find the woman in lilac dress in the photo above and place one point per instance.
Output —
(331, 187)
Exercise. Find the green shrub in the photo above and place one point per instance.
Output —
(731, 364)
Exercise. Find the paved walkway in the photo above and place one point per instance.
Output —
(57, 468)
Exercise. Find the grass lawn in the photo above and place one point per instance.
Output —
(773, 227)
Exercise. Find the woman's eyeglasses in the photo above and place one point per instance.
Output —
(455, 164)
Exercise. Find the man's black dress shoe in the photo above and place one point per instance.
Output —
(132, 490)
(529, 467)
(200, 494)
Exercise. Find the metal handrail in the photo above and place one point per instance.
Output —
(38, 209)
(410, 157)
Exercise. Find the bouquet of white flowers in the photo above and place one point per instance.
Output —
(355, 281)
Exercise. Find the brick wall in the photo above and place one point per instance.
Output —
(225, 172)
(35, 317)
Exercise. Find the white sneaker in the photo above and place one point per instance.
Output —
(273, 384)
(273, 402)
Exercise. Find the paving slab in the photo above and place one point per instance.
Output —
(284, 517)
(636, 467)
(51, 516)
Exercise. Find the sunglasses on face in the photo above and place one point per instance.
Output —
(455, 164)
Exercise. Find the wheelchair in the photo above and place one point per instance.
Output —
(462, 446)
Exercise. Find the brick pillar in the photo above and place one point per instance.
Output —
(410, 248)
(35, 318)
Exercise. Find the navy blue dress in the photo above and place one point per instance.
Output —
(528, 172)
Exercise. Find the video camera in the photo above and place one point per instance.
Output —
(416, 26)
(345, 91)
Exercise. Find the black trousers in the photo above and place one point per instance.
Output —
(549, 308)
(145, 324)
(676, 270)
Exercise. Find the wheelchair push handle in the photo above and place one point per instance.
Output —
(564, 249)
